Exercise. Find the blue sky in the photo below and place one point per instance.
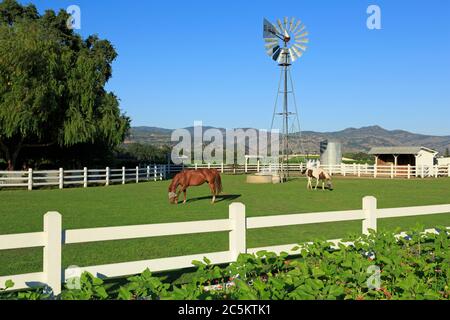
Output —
(181, 61)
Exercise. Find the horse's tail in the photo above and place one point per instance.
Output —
(218, 183)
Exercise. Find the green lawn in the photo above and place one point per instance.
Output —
(22, 211)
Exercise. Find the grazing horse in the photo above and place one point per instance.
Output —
(320, 175)
(192, 178)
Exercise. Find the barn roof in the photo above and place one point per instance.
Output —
(399, 150)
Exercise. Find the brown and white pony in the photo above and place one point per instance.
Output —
(192, 178)
(320, 175)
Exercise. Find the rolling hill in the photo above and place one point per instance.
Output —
(353, 139)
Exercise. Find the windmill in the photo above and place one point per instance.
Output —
(285, 42)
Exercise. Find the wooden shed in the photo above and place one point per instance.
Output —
(403, 156)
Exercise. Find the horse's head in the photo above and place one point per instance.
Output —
(173, 198)
(329, 185)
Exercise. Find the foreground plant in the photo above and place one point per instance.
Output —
(376, 266)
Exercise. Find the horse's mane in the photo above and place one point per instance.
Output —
(175, 181)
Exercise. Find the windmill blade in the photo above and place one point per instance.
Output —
(304, 34)
(292, 55)
(301, 47)
(280, 25)
(296, 26)
(291, 25)
(270, 46)
(304, 40)
(286, 21)
(269, 40)
(302, 28)
(299, 54)
(269, 30)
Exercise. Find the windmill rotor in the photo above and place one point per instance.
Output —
(287, 34)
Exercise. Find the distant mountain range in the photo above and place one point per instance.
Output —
(353, 139)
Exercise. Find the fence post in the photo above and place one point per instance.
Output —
(375, 170)
(85, 177)
(30, 179)
(222, 168)
(155, 173)
(370, 214)
(246, 166)
(237, 235)
(359, 170)
(160, 173)
(123, 175)
(196, 166)
(257, 166)
(392, 171)
(61, 178)
(137, 174)
(343, 173)
(409, 171)
(148, 173)
(436, 171)
(108, 172)
(52, 251)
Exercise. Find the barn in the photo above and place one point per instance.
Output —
(403, 156)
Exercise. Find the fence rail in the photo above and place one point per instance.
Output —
(62, 178)
(53, 237)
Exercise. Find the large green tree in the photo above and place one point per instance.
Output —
(52, 84)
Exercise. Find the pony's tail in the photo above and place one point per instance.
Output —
(218, 184)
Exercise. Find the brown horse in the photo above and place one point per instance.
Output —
(192, 178)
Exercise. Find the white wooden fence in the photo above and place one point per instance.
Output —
(358, 170)
(62, 178)
(84, 177)
(53, 237)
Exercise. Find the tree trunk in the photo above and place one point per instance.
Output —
(11, 155)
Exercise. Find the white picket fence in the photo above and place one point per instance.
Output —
(62, 178)
(53, 237)
(357, 170)
(85, 177)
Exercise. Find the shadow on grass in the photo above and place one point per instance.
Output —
(219, 198)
